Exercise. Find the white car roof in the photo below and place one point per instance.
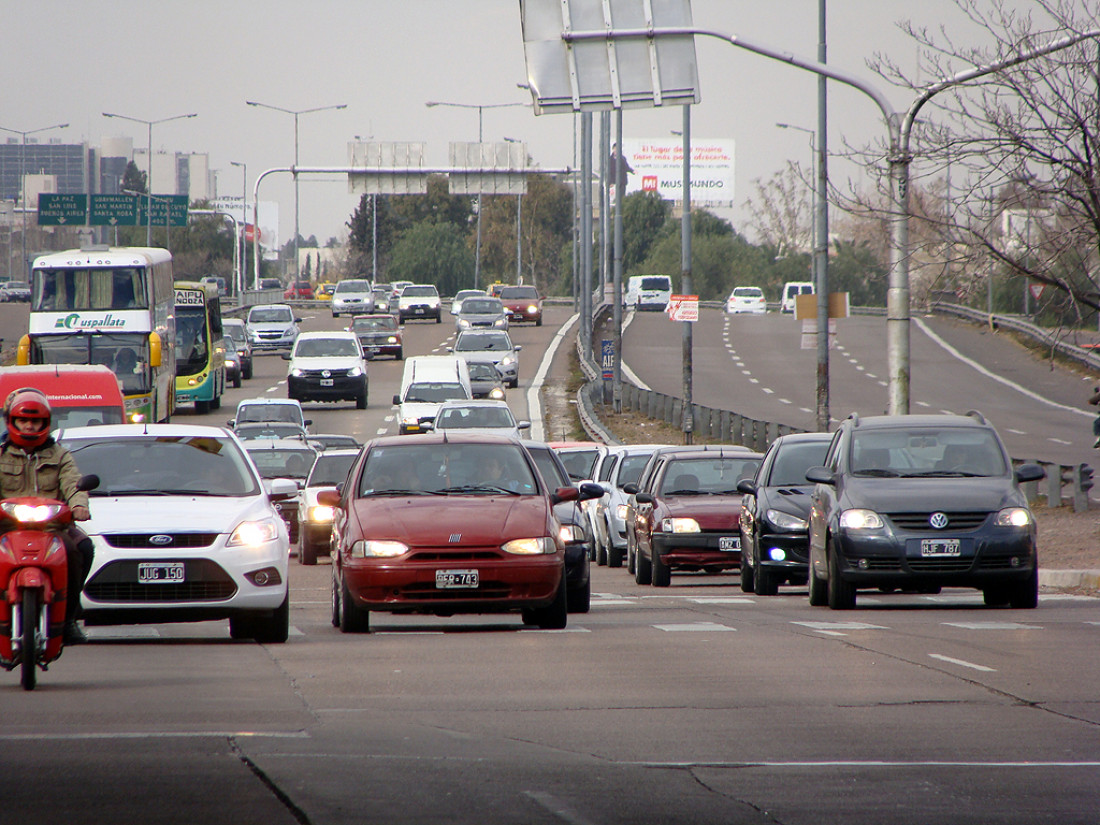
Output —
(105, 431)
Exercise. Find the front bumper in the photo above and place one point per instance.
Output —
(698, 551)
(341, 387)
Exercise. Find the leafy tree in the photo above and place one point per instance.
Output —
(437, 206)
(644, 214)
(133, 179)
(433, 253)
(362, 229)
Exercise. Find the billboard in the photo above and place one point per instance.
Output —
(267, 217)
(657, 165)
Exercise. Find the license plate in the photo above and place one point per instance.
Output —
(453, 579)
(161, 573)
(939, 547)
(729, 543)
(326, 382)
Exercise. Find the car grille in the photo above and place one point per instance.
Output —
(142, 540)
(205, 581)
(321, 374)
(918, 522)
(940, 565)
(449, 556)
(427, 592)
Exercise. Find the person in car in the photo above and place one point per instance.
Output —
(1095, 401)
(33, 464)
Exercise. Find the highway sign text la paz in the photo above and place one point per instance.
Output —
(61, 210)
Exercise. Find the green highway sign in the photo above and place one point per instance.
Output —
(162, 207)
(114, 210)
(62, 210)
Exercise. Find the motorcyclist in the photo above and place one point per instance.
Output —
(33, 464)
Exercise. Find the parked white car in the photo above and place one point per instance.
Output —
(184, 530)
(747, 299)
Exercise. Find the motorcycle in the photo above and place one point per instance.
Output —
(33, 581)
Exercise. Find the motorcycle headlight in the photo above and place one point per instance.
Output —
(31, 513)
(378, 549)
(679, 525)
(530, 547)
(860, 520)
(785, 521)
(1013, 517)
(254, 533)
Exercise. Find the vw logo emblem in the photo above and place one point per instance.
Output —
(160, 540)
(326, 373)
(938, 520)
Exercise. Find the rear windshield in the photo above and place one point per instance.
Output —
(510, 292)
(353, 286)
(433, 392)
(656, 283)
(419, 292)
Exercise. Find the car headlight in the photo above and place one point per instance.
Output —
(297, 372)
(254, 533)
(355, 372)
(507, 360)
(500, 322)
(1013, 517)
(622, 511)
(463, 323)
(860, 520)
(530, 547)
(569, 533)
(378, 549)
(679, 525)
(785, 521)
(496, 393)
(320, 513)
(531, 310)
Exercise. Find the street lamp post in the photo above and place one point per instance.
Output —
(480, 108)
(149, 180)
(519, 226)
(23, 182)
(244, 221)
(296, 113)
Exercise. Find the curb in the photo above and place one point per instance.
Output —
(1070, 578)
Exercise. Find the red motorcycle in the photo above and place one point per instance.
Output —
(33, 581)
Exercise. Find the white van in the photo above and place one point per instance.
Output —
(648, 292)
(791, 291)
(427, 382)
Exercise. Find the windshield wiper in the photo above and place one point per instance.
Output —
(942, 474)
(160, 492)
(878, 473)
(399, 493)
(685, 493)
(479, 488)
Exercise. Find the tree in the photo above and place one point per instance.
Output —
(133, 179)
(433, 253)
(644, 214)
(781, 211)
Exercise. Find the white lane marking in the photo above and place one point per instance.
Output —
(388, 418)
(805, 409)
(832, 765)
(381, 431)
(871, 375)
(822, 626)
(785, 401)
(993, 625)
(768, 390)
(962, 663)
(754, 380)
(613, 602)
(1016, 432)
(999, 379)
(195, 734)
(557, 808)
(923, 404)
(1059, 440)
(723, 600)
(694, 627)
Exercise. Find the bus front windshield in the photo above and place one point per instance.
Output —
(61, 290)
(127, 354)
(192, 340)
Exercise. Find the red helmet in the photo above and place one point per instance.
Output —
(27, 403)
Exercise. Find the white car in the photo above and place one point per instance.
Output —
(184, 530)
(622, 465)
(747, 299)
(490, 347)
(263, 410)
(462, 295)
(418, 301)
(327, 366)
(272, 326)
(352, 297)
(480, 416)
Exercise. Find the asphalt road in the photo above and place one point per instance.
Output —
(695, 704)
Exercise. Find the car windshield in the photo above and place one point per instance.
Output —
(325, 347)
(433, 392)
(447, 469)
(352, 286)
(579, 463)
(927, 452)
(519, 292)
(270, 316)
(330, 470)
(419, 292)
(482, 342)
(279, 462)
(270, 429)
(630, 469)
(480, 371)
(269, 412)
(793, 460)
(200, 465)
(712, 475)
(481, 306)
(384, 323)
(236, 332)
(455, 418)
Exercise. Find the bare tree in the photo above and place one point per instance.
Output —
(782, 212)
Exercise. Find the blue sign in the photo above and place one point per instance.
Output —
(607, 359)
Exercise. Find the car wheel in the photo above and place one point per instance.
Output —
(996, 595)
(579, 599)
(842, 594)
(818, 595)
(353, 619)
(247, 373)
(335, 600)
(614, 556)
(216, 403)
(538, 321)
(554, 616)
(660, 574)
(400, 355)
(202, 407)
(237, 381)
(767, 582)
(307, 553)
(643, 569)
(629, 560)
(1025, 594)
(747, 576)
(601, 552)
(361, 401)
(437, 318)
(273, 630)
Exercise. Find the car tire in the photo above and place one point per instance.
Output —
(202, 407)
(353, 619)
(274, 629)
(538, 321)
(555, 615)
(307, 553)
(247, 373)
(842, 594)
(767, 582)
(1025, 594)
(629, 560)
(614, 556)
(216, 403)
(660, 574)
(335, 600)
(438, 319)
(400, 355)
(237, 381)
(643, 569)
(748, 577)
(579, 599)
(361, 401)
(996, 595)
(819, 596)
(601, 552)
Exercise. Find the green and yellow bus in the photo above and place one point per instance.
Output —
(200, 352)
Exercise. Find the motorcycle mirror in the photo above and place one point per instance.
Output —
(88, 482)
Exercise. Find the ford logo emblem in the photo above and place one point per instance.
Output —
(160, 540)
(938, 520)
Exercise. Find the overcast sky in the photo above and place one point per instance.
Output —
(69, 62)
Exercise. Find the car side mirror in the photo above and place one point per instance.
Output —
(1029, 472)
(329, 498)
(232, 422)
(589, 490)
(88, 482)
(565, 494)
(643, 498)
(297, 320)
(523, 425)
(396, 399)
(517, 347)
(630, 489)
(286, 356)
(820, 475)
(746, 486)
(281, 489)
(307, 421)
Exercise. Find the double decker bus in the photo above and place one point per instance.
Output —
(109, 306)
(200, 348)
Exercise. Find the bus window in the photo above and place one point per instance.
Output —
(58, 290)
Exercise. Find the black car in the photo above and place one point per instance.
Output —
(920, 502)
(775, 508)
(576, 535)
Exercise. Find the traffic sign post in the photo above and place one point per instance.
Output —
(62, 210)
(683, 308)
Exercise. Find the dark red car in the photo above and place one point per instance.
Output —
(688, 513)
(301, 290)
(445, 524)
(524, 302)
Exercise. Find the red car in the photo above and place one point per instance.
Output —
(524, 302)
(444, 524)
(301, 290)
(688, 513)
